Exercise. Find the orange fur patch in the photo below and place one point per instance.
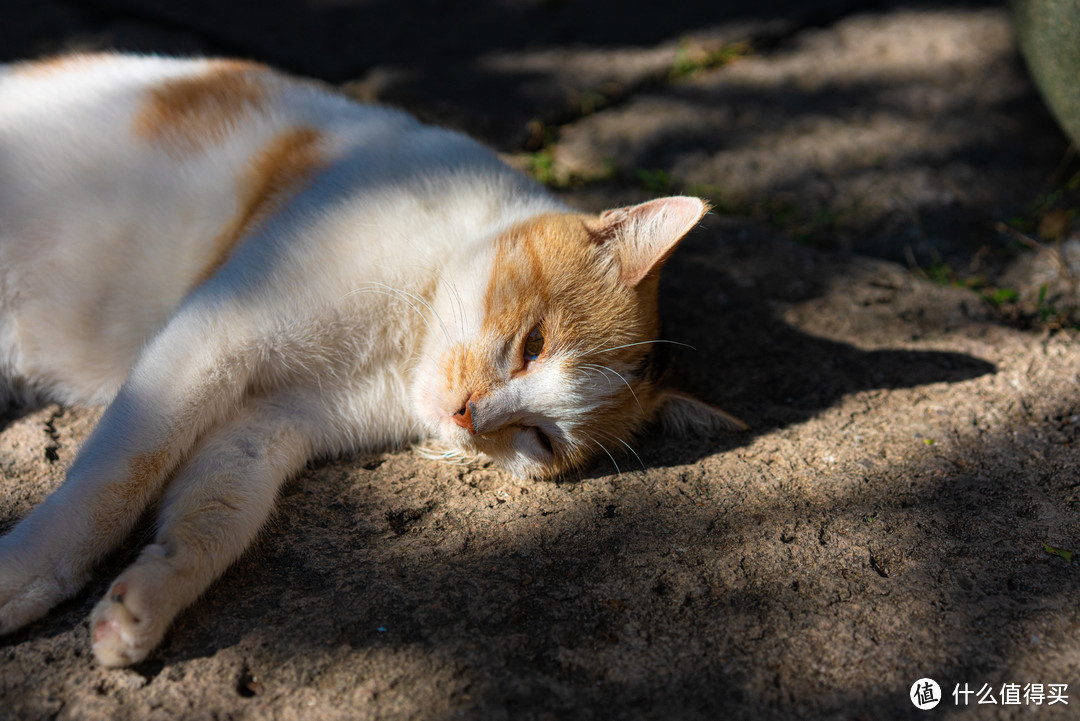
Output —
(148, 466)
(554, 259)
(185, 115)
(277, 173)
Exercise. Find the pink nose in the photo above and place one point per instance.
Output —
(464, 417)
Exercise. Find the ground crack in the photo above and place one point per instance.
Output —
(52, 451)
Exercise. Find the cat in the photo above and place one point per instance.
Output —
(251, 271)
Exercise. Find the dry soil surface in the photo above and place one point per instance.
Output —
(902, 508)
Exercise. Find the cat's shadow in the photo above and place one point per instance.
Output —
(722, 298)
(12, 413)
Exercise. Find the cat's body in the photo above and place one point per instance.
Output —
(253, 271)
(117, 195)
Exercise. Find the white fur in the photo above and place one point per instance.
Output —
(304, 343)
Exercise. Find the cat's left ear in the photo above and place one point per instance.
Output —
(641, 237)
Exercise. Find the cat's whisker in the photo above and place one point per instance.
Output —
(401, 295)
(413, 296)
(628, 387)
(396, 296)
(594, 372)
(452, 287)
(628, 446)
(644, 342)
(424, 302)
(605, 450)
(147, 536)
(459, 321)
(451, 456)
(461, 305)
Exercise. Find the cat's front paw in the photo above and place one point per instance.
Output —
(29, 587)
(131, 620)
(23, 600)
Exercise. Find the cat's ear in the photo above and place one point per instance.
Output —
(641, 237)
(682, 414)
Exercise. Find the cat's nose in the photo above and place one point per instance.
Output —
(464, 417)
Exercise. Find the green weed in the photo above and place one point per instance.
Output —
(1060, 552)
(657, 182)
(692, 57)
(998, 297)
(1045, 310)
(541, 165)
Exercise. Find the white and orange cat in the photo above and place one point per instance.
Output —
(252, 271)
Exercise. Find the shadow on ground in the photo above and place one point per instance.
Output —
(634, 600)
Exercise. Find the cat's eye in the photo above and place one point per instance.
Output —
(534, 344)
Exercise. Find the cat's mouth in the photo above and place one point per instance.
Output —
(534, 446)
(532, 437)
(524, 449)
(543, 439)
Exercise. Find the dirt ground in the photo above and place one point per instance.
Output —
(885, 293)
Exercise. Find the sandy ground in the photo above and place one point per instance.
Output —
(901, 507)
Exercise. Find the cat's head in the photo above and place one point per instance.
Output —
(549, 359)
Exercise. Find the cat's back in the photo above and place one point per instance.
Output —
(180, 149)
(127, 181)
(172, 103)
(125, 115)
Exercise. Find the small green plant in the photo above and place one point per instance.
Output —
(943, 274)
(657, 182)
(815, 227)
(1044, 309)
(541, 165)
(591, 100)
(692, 57)
(998, 297)
(1050, 214)
(1060, 552)
(1056, 225)
(1050, 315)
(940, 272)
(541, 135)
(777, 212)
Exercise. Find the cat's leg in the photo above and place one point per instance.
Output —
(212, 511)
(188, 379)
